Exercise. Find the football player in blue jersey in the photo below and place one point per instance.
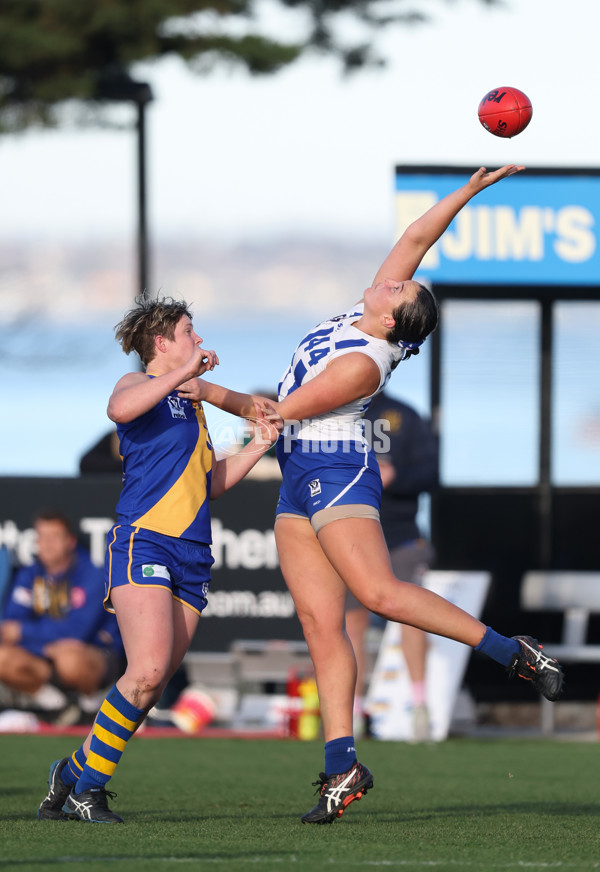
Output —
(327, 528)
(158, 558)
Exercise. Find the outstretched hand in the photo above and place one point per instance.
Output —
(483, 179)
(268, 420)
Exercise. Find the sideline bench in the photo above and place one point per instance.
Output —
(577, 595)
(267, 661)
(240, 678)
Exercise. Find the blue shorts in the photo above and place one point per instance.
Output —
(148, 559)
(316, 478)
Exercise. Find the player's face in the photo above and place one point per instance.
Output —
(387, 295)
(55, 545)
(185, 339)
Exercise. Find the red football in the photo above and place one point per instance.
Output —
(505, 111)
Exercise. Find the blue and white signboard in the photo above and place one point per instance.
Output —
(528, 229)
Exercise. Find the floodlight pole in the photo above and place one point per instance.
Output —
(143, 260)
(115, 84)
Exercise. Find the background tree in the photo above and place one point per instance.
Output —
(53, 51)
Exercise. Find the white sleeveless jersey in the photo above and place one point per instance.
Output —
(328, 340)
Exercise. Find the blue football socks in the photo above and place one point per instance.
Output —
(340, 754)
(499, 648)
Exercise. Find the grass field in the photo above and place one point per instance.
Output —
(235, 804)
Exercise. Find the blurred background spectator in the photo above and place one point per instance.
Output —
(58, 646)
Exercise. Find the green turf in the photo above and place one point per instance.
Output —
(233, 805)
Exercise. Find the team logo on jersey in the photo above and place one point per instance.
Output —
(315, 487)
(22, 596)
(176, 407)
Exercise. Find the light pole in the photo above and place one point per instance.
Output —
(143, 98)
(118, 86)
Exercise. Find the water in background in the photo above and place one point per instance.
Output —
(56, 380)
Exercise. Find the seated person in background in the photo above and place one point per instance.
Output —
(54, 629)
(103, 456)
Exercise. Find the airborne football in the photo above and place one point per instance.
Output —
(505, 111)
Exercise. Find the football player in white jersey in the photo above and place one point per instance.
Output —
(328, 533)
(327, 528)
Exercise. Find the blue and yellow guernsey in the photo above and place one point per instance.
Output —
(167, 464)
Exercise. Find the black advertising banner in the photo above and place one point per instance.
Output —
(248, 599)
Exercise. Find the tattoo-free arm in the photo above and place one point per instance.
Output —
(347, 378)
(403, 260)
(136, 393)
(229, 470)
(234, 402)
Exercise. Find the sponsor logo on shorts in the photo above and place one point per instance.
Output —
(315, 487)
(155, 570)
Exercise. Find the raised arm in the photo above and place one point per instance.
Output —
(136, 393)
(406, 255)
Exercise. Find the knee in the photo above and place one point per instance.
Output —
(68, 670)
(5, 658)
(79, 668)
(315, 622)
(382, 601)
(22, 670)
(149, 680)
(322, 629)
(14, 657)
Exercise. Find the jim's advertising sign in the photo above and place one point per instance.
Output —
(539, 227)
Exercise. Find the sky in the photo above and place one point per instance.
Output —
(304, 153)
(308, 151)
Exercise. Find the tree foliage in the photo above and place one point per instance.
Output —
(52, 51)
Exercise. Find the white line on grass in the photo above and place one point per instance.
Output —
(335, 861)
